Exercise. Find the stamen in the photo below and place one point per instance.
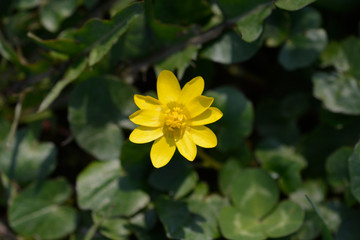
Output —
(175, 119)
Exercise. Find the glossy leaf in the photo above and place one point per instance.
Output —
(105, 188)
(285, 162)
(98, 107)
(74, 70)
(178, 177)
(230, 48)
(26, 159)
(110, 32)
(228, 173)
(286, 219)
(292, 5)
(38, 211)
(339, 93)
(337, 168)
(251, 26)
(238, 226)
(53, 13)
(254, 192)
(302, 50)
(315, 189)
(354, 169)
(189, 219)
(178, 61)
(234, 8)
(135, 159)
(237, 121)
(306, 41)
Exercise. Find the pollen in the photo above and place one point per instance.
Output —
(175, 119)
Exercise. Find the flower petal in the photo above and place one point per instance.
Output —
(162, 151)
(145, 117)
(210, 115)
(168, 87)
(191, 90)
(199, 105)
(147, 102)
(143, 134)
(187, 147)
(203, 136)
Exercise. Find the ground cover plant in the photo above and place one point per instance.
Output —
(182, 119)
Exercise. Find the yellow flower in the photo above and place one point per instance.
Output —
(175, 120)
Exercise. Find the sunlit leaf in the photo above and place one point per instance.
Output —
(38, 211)
(97, 108)
(105, 188)
(26, 159)
(254, 192)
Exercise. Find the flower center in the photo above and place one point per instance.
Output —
(175, 119)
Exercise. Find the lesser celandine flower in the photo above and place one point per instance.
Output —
(176, 120)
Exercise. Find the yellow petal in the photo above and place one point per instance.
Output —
(191, 90)
(145, 117)
(199, 105)
(143, 134)
(168, 87)
(187, 147)
(211, 115)
(147, 102)
(203, 136)
(162, 151)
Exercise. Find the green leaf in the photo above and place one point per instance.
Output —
(189, 220)
(306, 41)
(97, 109)
(237, 122)
(54, 12)
(38, 212)
(254, 192)
(285, 162)
(26, 4)
(303, 49)
(228, 173)
(66, 46)
(104, 187)
(235, 9)
(96, 37)
(354, 169)
(178, 61)
(113, 228)
(178, 177)
(337, 168)
(26, 159)
(238, 226)
(339, 93)
(251, 25)
(110, 32)
(292, 5)
(277, 28)
(344, 56)
(135, 159)
(182, 12)
(230, 48)
(73, 71)
(286, 219)
(326, 234)
(315, 189)
(7, 52)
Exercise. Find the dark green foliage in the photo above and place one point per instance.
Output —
(285, 74)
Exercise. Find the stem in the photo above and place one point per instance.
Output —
(208, 161)
(91, 232)
(15, 122)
